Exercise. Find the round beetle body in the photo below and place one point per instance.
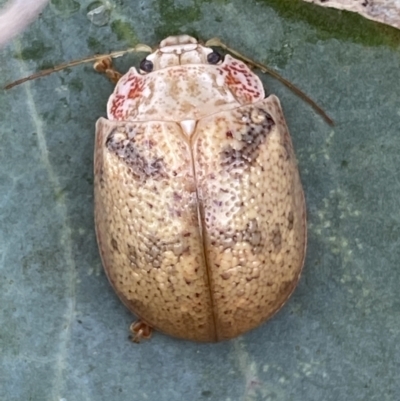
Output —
(199, 208)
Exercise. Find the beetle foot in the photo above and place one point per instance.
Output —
(140, 330)
(105, 66)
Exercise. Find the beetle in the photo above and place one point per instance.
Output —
(199, 209)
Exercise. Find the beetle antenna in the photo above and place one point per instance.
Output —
(266, 70)
(136, 49)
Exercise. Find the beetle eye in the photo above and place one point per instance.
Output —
(146, 65)
(214, 57)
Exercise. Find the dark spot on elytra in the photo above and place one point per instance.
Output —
(177, 197)
(114, 244)
(277, 238)
(132, 255)
(258, 124)
(100, 176)
(152, 249)
(143, 165)
(290, 220)
(135, 304)
(228, 238)
(287, 286)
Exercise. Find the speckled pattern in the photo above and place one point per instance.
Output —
(181, 92)
(202, 233)
(147, 227)
(253, 213)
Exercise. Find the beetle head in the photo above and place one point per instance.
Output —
(179, 50)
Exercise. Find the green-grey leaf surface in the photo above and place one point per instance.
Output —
(63, 331)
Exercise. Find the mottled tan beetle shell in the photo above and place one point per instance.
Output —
(199, 208)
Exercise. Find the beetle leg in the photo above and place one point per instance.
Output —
(140, 330)
(105, 66)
